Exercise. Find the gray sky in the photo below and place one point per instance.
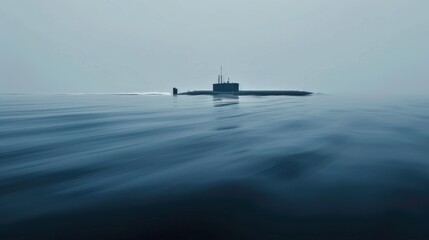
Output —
(330, 46)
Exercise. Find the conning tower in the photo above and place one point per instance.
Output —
(225, 87)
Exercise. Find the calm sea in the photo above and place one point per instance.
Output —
(203, 167)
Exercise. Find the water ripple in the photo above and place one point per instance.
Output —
(135, 166)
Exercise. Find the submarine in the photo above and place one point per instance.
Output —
(231, 88)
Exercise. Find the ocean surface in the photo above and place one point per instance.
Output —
(154, 166)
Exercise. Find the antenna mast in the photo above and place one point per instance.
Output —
(221, 75)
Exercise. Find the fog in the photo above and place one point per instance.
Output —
(105, 46)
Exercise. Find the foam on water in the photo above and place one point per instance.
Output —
(120, 93)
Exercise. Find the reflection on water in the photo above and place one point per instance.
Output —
(225, 100)
(210, 167)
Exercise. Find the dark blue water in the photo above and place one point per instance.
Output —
(164, 167)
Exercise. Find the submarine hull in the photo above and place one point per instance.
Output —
(251, 93)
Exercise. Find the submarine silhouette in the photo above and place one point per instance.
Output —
(222, 88)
